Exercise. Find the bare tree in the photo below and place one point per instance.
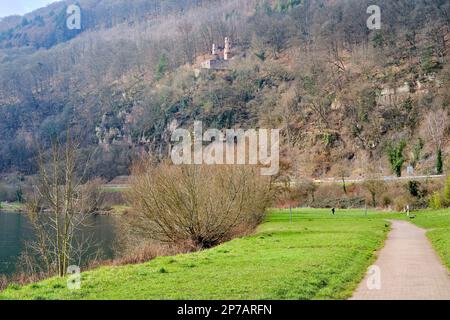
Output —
(374, 184)
(58, 207)
(343, 172)
(437, 122)
(185, 30)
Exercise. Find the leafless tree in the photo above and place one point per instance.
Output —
(437, 122)
(196, 206)
(374, 184)
(58, 207)
(343, 172)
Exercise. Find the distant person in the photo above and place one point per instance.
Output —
(333, 211)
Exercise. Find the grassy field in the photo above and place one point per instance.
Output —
(11, 206)
(438, 223)
(113, 189)
(316, 256)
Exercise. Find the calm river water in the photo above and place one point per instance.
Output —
(15, 231)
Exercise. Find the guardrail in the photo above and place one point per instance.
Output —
(386, 179)
(328, 180)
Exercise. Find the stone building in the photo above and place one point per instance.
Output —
(219, 57)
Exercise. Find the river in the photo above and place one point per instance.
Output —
(15, 232)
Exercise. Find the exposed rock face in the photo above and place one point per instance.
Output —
(114, 130)
(391, 96)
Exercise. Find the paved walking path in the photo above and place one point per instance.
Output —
(409, 269)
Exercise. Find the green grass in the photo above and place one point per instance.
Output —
(438, 223)
(317, 256)
(120, 209)
(113, 189)
(11, 206)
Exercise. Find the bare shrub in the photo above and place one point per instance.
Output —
(401, 202)
(7, 193)
(113, 199)
(28, 272)
(196, 206)
(92, 197)
(287, 193)
(305, 191)
(141, 254)
(322, 195)
(21, 279)
(333, 195)
(3, 282)
(375, 186)
(386, 200)
(329, 191)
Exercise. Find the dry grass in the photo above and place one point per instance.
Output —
(137, 255)
(141, 254)
(21, 279)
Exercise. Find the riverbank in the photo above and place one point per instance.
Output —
(16, 207)
(316, 256)
(309, 255)
(12, 207)
(116, 210)
(16, 232)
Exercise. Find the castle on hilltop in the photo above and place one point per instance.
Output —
(219, 57)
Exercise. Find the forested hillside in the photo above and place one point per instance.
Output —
(342, 94)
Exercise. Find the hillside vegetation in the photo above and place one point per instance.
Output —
(344, 95)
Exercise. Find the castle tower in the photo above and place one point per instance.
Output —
(213, 49)
(227, 51)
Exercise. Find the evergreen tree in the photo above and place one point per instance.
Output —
(439, 163)
(396, 158)
(162, 66)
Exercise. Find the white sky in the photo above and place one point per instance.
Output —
(12, 7)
